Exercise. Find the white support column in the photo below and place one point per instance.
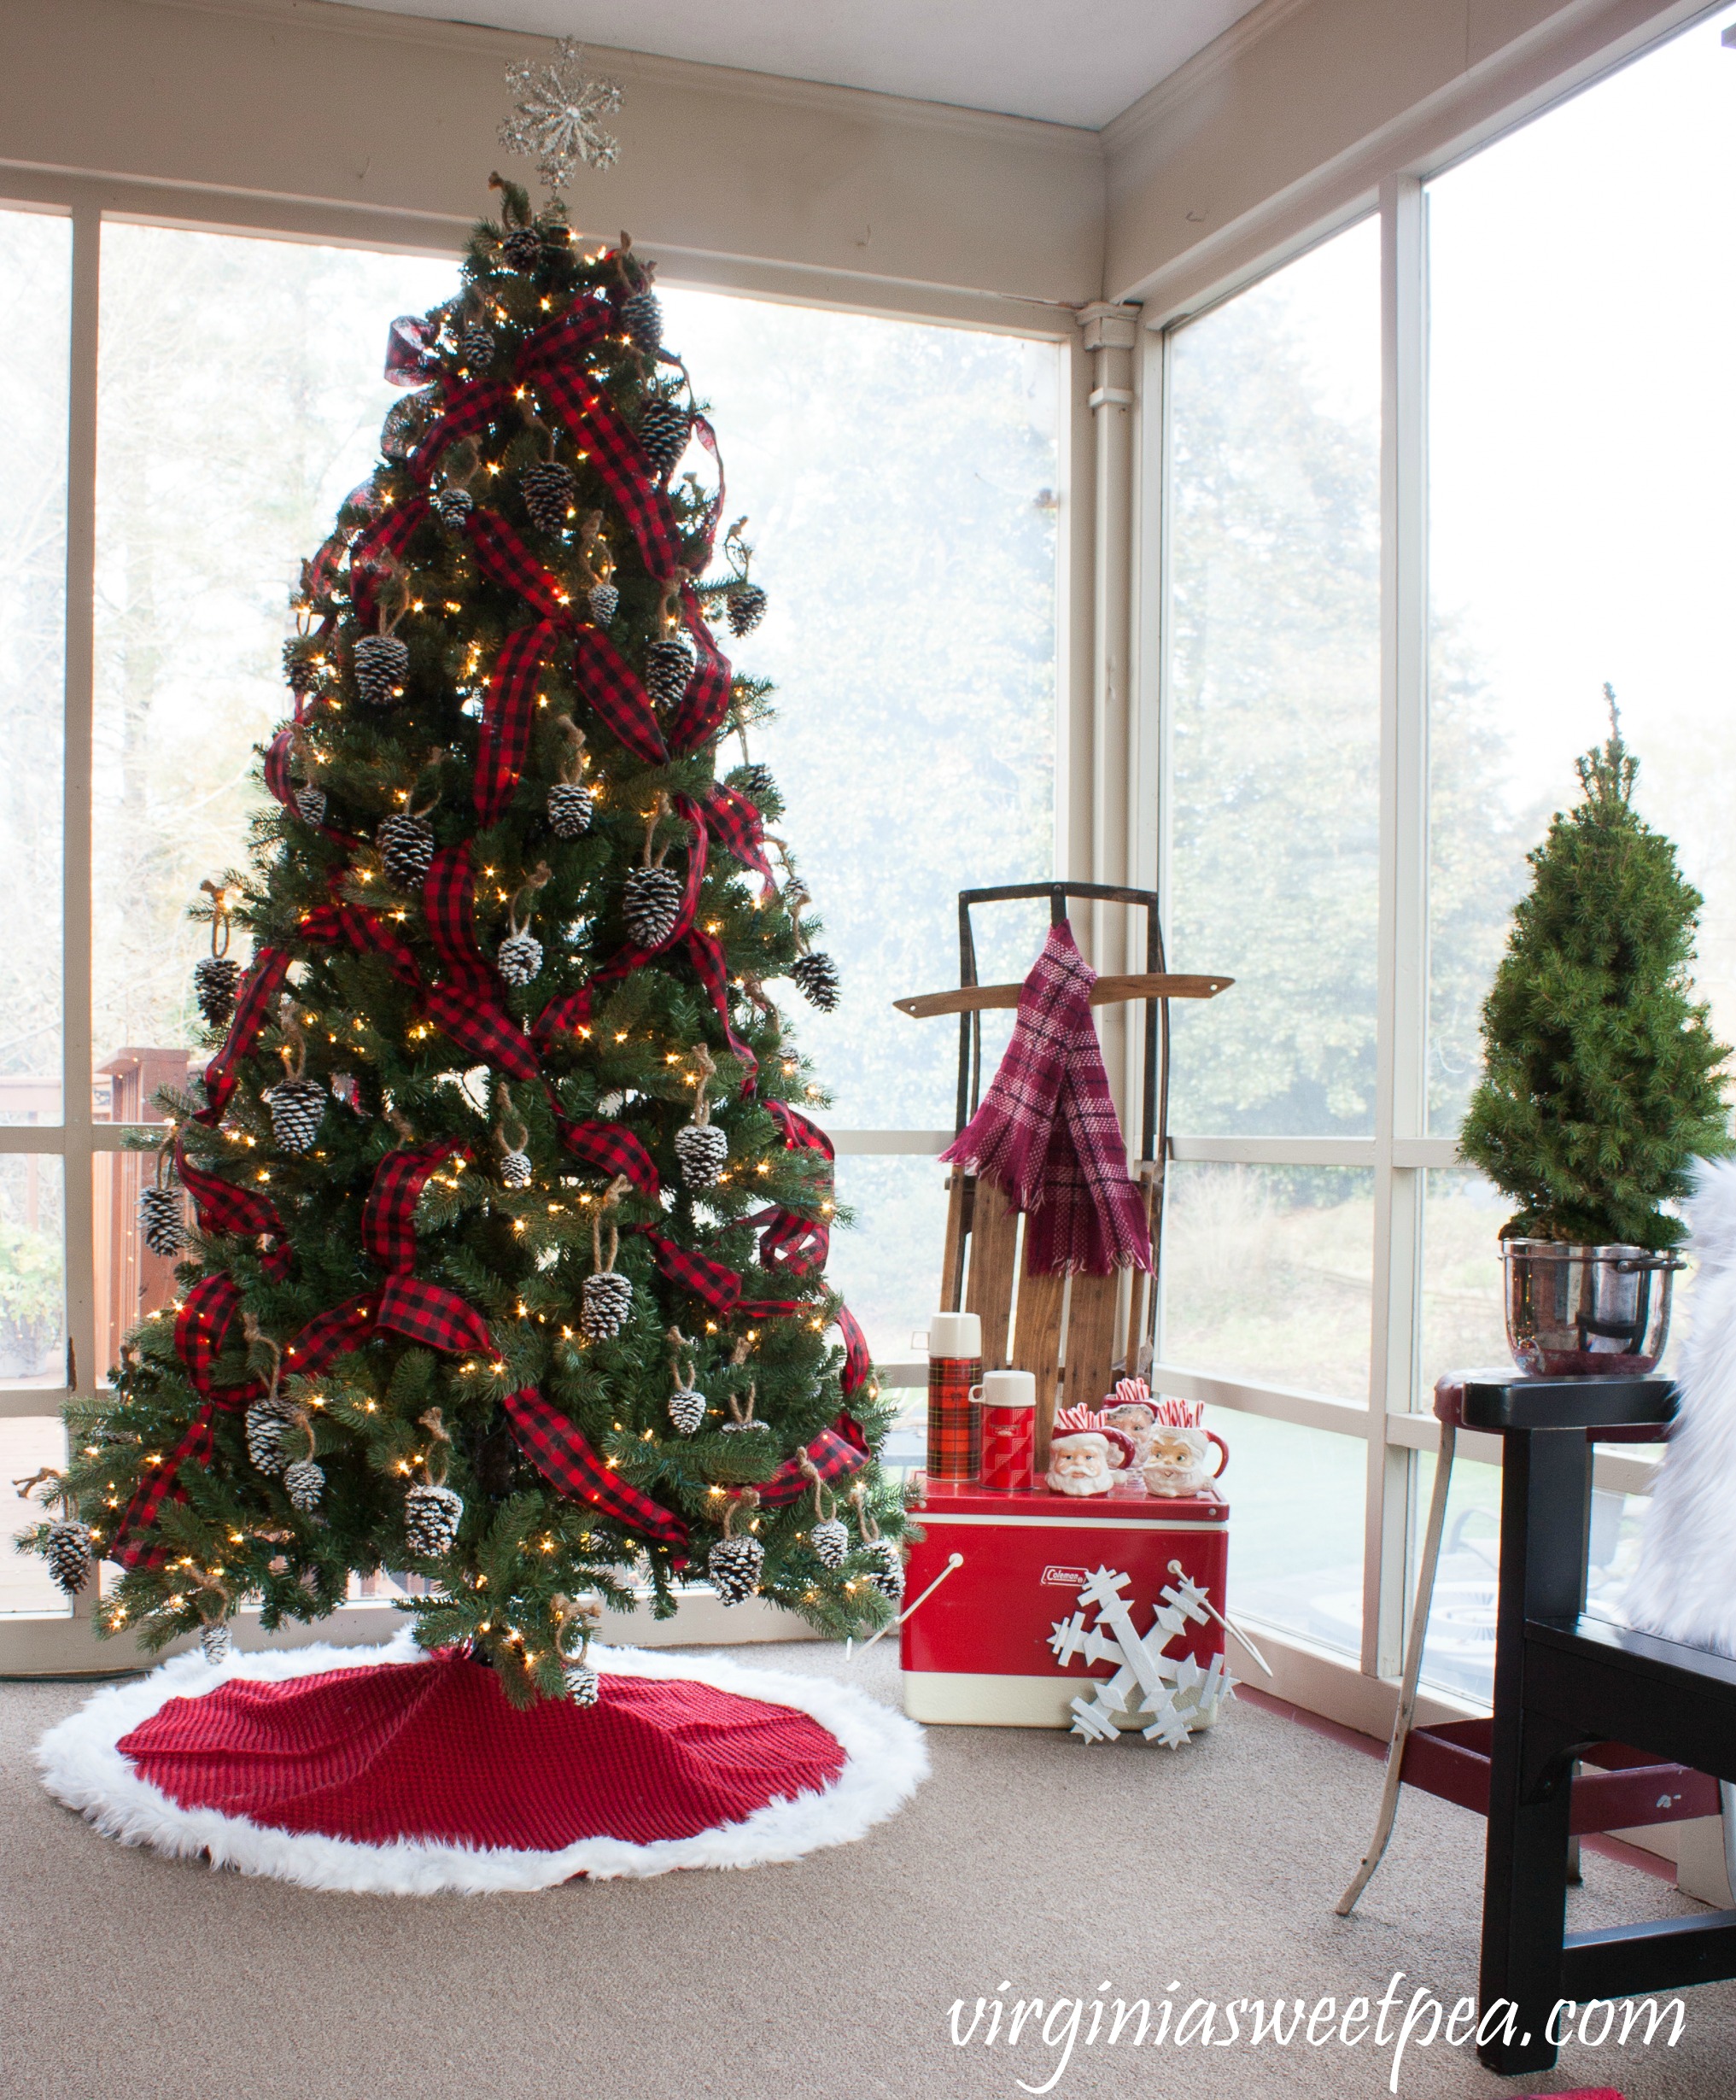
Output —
(1401, 1104)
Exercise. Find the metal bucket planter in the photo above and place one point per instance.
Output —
(1586, 1312)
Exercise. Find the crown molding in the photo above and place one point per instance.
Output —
(1158, 104)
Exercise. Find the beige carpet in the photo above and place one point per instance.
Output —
(1028, 1859)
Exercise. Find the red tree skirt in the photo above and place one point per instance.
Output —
(382, 1769)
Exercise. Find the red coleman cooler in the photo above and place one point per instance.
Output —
(977, 1650)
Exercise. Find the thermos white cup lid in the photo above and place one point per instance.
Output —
(956, 1334)
(1009, 1388)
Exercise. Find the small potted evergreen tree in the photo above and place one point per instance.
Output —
(1602, 1083)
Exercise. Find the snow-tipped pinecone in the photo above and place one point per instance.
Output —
(570, 807)
(605, 1305)
(701, 1149)
(755, 782)
(582, 1683)
(475, 346)
(68, 1554)
(817, 976)
(687, 1410)
(406, 848)
(265, 1422)
(641, 316)
(652, 905)
(745, 604)
(453, 506)
(297, 1106)
(402, 429)
(550, 494)
(523, 248)
(300, 653)
(310, 805)
(516, 1170)
(664, 430)
(519, 957)
(886, 1569)
(670, 663)
(216, 1641)
(830, 1539)
(215, 980)
(605, 601)
(160, 1219)
(431, 1520)
(382, 666)
(735, 1565)
(304, 1482)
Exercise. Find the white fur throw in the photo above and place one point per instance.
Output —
(1685, 1587)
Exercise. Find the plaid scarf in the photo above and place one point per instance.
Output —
(1047, 1133)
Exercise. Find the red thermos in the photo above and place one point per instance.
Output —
(954, 1365)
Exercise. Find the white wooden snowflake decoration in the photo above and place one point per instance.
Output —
(1169, 1693)
(555, 119)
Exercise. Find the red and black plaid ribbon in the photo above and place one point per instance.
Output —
(611, 1148)
(434, 1316)
(615, 695)
(467, 1006)
(378, 550)
(364, 930)
(329, 1333)
(566, 1457)
(705, 706)
(857, 1363)
(833, 1456)
(501, 554)
(223, 1207)
(740, 828)
(507, 714)
(706, 953)
(469, 408)
(789, 1242)
(409, 359)
(482, 1030)
(253, 1007)
(594, 424)
(388, 1216)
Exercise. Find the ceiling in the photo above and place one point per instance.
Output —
(1072, 62)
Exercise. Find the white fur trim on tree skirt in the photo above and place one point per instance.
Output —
(885, 1761)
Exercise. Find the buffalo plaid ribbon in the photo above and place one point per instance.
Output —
(595, 425)
(789, 1242)
(706, 704)
(506, 717)
(833, 1456)
(857, 1363)
(363, 930)
(706, 953)
(253, 1006)
(466, 1006)
(388, 1216)
(504, 556)
(615, 695)
(223, 1207)
(1047, 1133)
(611, 1148)
(469, 408)
(328, 1334)
(566, 1457)
(410, 359)
(202, 1326)
(713, 1283)
(739, 826)
(377, 549)
(434, 1316)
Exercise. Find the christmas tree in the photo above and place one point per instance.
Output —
(506, 1267)
(1601, 1077)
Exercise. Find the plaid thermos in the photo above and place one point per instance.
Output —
(954, 1365)
(1007, 1402)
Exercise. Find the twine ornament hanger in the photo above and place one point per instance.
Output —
(571, 761)
(436, 1460)
(608, 1205)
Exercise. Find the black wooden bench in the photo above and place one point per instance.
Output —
(1564, 1682)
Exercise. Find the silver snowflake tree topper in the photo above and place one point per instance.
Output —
(554, 118)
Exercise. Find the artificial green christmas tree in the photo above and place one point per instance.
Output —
(506, 1266)
(1601, 1076)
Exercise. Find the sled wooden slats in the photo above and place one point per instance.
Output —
(994, 1235)
(952, 1248)
(1037, 1348)
(1091, 1339)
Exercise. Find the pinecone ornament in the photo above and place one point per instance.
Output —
(641, 316)
(570, 807)
(519, 957)
(550, 493)
(605, 602)
(830, 1539)
(735, 1565)
(301, 654)
(382, 667)
(523, 248)
(310, 805)
(605, 1305)
(582, 1683)
(687, 1410)
(744, 606)
(452, 507)
(159, 1224)
(68, 1552)
(265, 1425)
(664, 430)
(215, 980)
(701, 1150)
(431, 1520)
(475, 346)
(297, 1106)
(407, 847)
(304, 1481)
(516, 1170)
(886, 1569)
(651, 905)
(402, 429)
(817, 977)
(670, 663)
(215, 1641)
(753, 781)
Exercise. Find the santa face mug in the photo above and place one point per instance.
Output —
(1177, 1462)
